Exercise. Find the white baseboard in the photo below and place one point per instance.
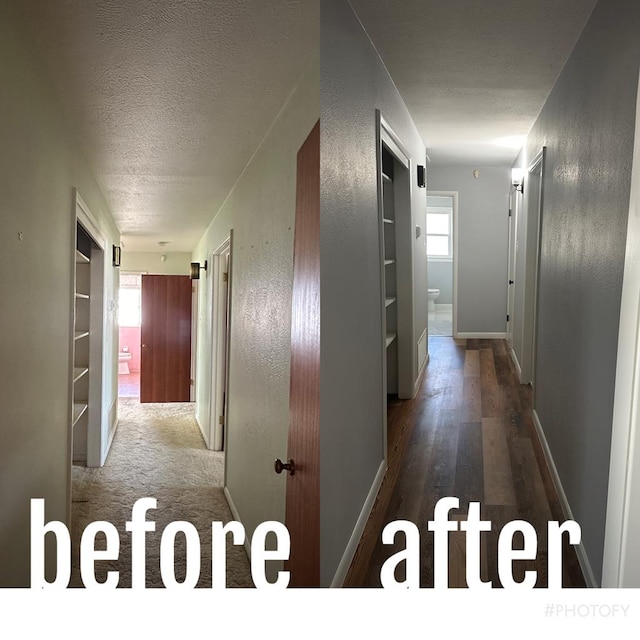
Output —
(585, 565)
(236, 517)
(204, 435)
(514, 359)
(480, 336)
(354, 540)
(112, 432)
(418, 383)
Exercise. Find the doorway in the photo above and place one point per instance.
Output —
(220, 317)
(129, 321)
(442, 208)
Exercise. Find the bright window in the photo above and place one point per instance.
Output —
(129, 303)
(440, 227)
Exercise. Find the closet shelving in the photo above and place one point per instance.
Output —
(81, 346)
(390, 272)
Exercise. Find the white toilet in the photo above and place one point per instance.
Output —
(432, 296)
(124, 357)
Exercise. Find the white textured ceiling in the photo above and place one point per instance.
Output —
(169, 99)
(474, 73)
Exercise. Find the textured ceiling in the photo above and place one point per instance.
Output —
(474, 73)
(169, 100)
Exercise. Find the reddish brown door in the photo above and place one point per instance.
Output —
(165, 336)
(303, 487)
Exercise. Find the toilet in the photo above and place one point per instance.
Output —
(432, 296)
(124, 358)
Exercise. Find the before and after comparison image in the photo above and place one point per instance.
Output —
(306, 295)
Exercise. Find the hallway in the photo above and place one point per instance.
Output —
(469, 434)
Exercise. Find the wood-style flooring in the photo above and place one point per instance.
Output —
(468, 434)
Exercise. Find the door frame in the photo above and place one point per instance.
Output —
(512, 266)
(219, 296)
(454, 257)
(98, 418)
(621, 562)
(404, 272)
(534, 208)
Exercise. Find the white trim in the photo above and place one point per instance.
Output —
(514, 359)
(202, 432)
(585, 565)
(418, 383)
(480, 336)
(354, 540)
(236, 517)
(620, 566)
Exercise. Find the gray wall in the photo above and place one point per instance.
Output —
(587, 126)
(441, 277)
(353, 84)
(483, 243)
(39, 167)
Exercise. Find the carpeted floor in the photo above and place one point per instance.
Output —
(158, 452)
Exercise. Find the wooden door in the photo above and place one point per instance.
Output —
(165, 354)
(303, 487)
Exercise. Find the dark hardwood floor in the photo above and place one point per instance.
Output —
(468, 434)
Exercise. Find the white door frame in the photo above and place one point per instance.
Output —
(98, 417)
(534, 208)
(512, 267)
(219, 334)
(454, 249)
(621, 563)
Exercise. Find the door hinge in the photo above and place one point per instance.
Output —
(221, 420)
(191, 381)
(507, 317)
(225, 277)
(509, 212)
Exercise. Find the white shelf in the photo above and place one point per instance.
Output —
(390, 338)
(78, 411)
(78, 372)
(388, 301)
(81, 258)
(80, 334)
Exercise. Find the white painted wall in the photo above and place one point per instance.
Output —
(176, 263)
(483, 243)
(39, 167)
(261, 212)
(354, 83)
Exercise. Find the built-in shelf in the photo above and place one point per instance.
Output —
(386, 177)
(388, 262)
(80, 334)
(82, 296)
(389, 301)
(78, 411)
(78, 372)
(81, 258)
(388, 221)
(390, 338)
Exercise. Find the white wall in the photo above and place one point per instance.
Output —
(261, 212)
(176, 263)
(354, 82)
(39, 167)
(483, 243)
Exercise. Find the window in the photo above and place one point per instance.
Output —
(440, 227)
(129, 302)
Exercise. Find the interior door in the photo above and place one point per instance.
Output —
(165, 354)
(303, 486)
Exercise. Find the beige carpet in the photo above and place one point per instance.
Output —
(158, 452)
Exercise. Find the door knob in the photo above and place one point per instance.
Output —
(510, 281)
(289, 465)
(144, 346)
